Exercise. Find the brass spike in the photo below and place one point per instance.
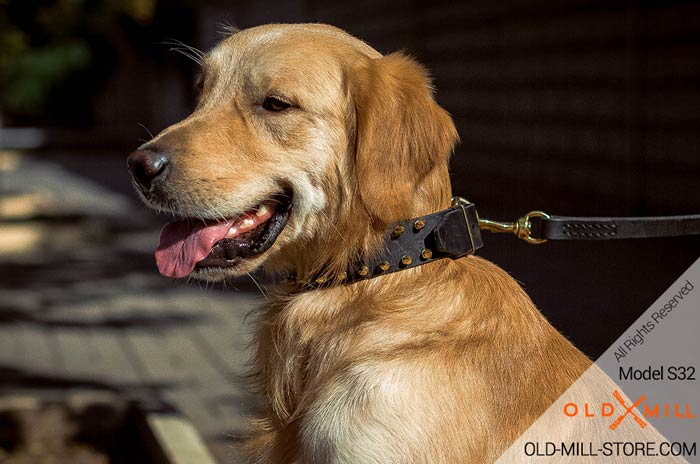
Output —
(398, 230)
(426, 254)
(364, 270)
(384, 266)
(406, 260)
(419, 224)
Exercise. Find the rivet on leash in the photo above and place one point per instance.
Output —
(406, 260)
(321, 280)
(398, 230)
(343, 275)
(419, 224)
(384, 266)
(426, 254)
(364, 270)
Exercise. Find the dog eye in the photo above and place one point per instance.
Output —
(275, 104)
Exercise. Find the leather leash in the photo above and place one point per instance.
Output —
(456, 232)
(538, 227)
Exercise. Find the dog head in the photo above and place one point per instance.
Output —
(304, 146)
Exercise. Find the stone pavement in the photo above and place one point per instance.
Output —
(82, 304)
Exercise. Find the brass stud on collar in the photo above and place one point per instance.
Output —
(406, 260)
(384, 265)
(321, 280)
(343, 275)
(426, 254)
(364, 270)
(398, 230)
(419, 224)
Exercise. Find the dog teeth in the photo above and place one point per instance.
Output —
(232, 231)
(248, 222)
(262, 209)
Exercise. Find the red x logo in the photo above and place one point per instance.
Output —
(628, 410)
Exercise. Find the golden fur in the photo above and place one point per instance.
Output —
(448, 362)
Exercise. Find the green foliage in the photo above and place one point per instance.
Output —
(46, 43)
(29, 78)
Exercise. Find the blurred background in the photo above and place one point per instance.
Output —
(576, 108)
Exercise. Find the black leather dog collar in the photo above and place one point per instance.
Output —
(451, 233)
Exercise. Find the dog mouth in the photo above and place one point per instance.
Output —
(191, 244)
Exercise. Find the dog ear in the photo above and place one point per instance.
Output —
(402, 135)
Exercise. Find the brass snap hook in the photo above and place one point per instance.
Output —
(521, 228)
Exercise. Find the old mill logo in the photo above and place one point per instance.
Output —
(621, 410)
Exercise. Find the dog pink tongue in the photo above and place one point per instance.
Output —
(184, 243)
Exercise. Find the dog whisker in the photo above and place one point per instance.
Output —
(188, 51)
(332, 224)
(227, 29)
(262, 292)
(179, 44)
(188, 55)
(150, 134)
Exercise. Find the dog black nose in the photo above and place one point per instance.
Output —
(146, 166)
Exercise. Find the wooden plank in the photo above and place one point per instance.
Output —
(221, 349)
(159, 364)
(38, 354)
(8, 341)
(178, 440)
(224, 335)
(186, 353)
(194, 404)
(117, 366)
(81, 360)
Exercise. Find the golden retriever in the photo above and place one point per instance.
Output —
(305, 145)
